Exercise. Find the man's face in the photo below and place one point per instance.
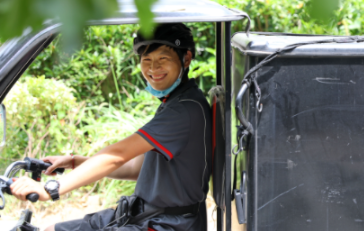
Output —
(161, 67)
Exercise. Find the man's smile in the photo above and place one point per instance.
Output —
(158, 77)
(161, 67)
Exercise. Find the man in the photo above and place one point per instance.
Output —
(173, 173)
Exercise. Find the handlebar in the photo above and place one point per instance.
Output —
(35, 166)
(32, 165)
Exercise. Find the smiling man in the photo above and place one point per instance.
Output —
(170, 156)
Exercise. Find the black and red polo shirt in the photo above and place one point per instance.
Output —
(177, 171)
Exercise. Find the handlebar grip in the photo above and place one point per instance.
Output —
(57, 170)
(33, 197)
(37, 166)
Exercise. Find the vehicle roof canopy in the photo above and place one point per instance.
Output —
(174, 11)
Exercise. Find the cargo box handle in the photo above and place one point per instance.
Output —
(245, 128)
(239, 107)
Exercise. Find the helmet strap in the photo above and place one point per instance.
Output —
(182, 69)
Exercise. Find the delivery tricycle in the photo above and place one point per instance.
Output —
(288, 128)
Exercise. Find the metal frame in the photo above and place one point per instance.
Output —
(219, 79)
(223, 72)
(227, 73)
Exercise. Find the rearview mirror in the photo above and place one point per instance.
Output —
(2, 126)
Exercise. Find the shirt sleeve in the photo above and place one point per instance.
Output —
(168, 131)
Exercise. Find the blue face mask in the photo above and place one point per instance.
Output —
(160, 94)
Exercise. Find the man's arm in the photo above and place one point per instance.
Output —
(102, 164)
(128, 171)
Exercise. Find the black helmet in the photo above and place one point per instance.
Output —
(175, 35)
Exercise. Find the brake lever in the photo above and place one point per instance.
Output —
(3, 200)
(4, 187)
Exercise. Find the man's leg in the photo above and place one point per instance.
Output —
(50, 228)
(94, 221)
(66, 226)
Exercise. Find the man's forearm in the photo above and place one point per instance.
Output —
(129, 170)
(104, 162)
(78, 160)
(89, 171)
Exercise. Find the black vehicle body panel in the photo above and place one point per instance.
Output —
(305, 160)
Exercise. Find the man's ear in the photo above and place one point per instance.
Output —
(188, 59)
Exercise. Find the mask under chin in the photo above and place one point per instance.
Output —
(160, 94)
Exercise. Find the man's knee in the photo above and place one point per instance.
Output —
(50, 228)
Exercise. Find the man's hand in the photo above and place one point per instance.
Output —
(62, 162)
(24, 186)
(57, 162)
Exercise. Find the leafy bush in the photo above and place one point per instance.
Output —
(41, 117)
(104, 64)
(293, 16)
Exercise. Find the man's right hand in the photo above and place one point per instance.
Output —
(57, 162)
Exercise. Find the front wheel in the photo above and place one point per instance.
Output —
(24, 222)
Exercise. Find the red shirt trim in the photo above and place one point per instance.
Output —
(156, 143)
(150, 229)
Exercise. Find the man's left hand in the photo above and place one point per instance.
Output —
(24, 186)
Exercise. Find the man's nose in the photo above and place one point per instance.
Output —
(155, 65)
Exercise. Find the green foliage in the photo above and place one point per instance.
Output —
(297, 16)
(145, 15)
(105, 64)
(322, 10)
(16, 15)
(203, 68)
(40, 115)
(349, 18)
(43, 117)
(105, 125)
